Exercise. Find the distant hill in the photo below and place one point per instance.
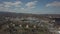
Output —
(12, 14)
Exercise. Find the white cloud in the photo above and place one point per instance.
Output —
(1, 4)
(31, 4)
(54, 4)
(22, 8)
(7, 6)
(17, 6)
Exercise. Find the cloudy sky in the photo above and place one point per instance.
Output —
(31, 6)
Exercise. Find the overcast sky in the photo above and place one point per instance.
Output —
(31, 6)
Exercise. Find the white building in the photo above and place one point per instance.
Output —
(27, 26)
